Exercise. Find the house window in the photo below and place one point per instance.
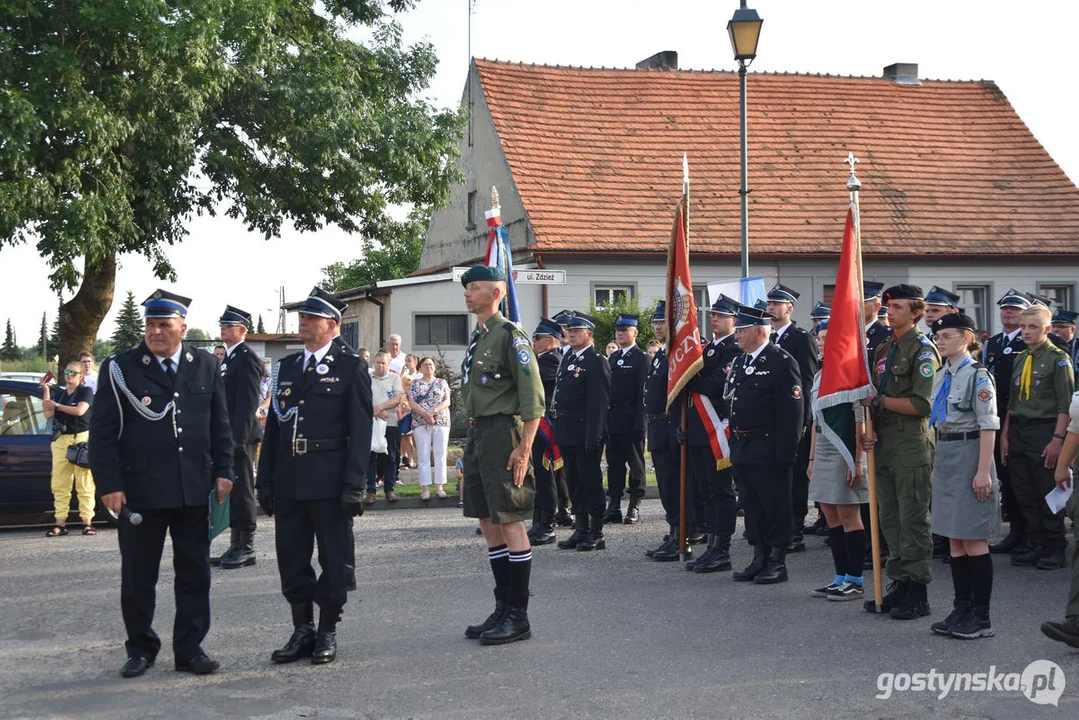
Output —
(441, 330)
(704, 317)
(1062, 294)
(604, 295)
(350, 333)
(974, 299)
(473, 210)
(829, 294)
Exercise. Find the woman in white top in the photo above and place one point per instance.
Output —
(966, 505)
(429, 398)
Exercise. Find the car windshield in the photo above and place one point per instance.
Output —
(23, 414)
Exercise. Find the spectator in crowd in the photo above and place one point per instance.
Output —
(459, 471)
(386, 396)
(397, 358)
(412, 366)
(219, 352)
(653, 348)
(70, 410)
(429, 398)
(405, 421)
(612, 347)
(366, 355)
(89, 370)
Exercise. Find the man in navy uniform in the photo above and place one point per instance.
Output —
(162, 444)
(714, 486)
(939, 302)
(562, 318)
(998, 355)
(821, 311)
(875, 316)
(312, 473)
(582, 392)
(764, 392)
(1064, 326)
(546, 346)
(796, 341)
(625, 422)
(242, 372)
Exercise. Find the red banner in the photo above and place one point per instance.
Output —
(684, 353)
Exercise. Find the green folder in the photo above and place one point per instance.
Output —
(219, 514)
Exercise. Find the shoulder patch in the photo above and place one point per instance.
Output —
(520, 341)
(927, 355)
(1064, 363)
(926, 369)
(983, 395)
(523, 356)
(923, 339)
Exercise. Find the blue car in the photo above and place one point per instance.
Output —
(26, 457)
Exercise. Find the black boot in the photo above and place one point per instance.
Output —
(326, 642)
(593, 540)
(579, 532)
(974, 625)
(897, 590)
(960, 608)
(1066, 632)
(760, 559)
(242, 553)
(302, 642)
(512, 627)
(542, 533)
(614, 511)
(1028, 557)
(797, 542)
(669, 551)
(234, 537)
(562, 518)
(719, 556)
(702, 558)
(633, 512)
(473, 632)
(1012, 541)
(662, 545)
(776, 569)
(915, 603)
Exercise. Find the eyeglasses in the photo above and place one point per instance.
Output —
(946, 336)
(72, 372)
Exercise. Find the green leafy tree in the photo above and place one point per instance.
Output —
(102, 349)
(10, 349)
(130, 328)
(260, 328)
(198, 336)
(394, 256)
(119, 120)
(605, 317)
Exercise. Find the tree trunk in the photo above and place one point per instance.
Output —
(81, 317)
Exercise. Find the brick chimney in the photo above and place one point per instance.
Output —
(902, 73)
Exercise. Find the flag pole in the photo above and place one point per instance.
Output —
(853, 186)
(683, 448)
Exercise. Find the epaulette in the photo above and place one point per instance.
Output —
(923, 339)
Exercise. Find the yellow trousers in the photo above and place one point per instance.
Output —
(64, 472)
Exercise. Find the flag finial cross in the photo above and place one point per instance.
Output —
(853, 183)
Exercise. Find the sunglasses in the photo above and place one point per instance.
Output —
(72, 372)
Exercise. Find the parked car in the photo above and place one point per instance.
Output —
(33, 377)
(26, 457)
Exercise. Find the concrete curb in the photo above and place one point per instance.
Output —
(651, 492)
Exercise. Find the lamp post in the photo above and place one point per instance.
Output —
(744, 30)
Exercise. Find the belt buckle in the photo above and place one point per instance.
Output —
(299, 446)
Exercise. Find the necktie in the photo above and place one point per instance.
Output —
(469, 353)
(1026, 377)
(311, 363)
(940, 405)
(169, 370)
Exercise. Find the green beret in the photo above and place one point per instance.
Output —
(482, 272)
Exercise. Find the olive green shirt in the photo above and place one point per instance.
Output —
(905, 368)
(503, 378)
(1051, 385)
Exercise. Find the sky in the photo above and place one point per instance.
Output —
(1032, 56)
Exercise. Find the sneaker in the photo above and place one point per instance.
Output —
(823, 591)
(959, 611)
(975, 624)
(846, 592)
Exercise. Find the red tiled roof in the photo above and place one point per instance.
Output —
(946, 167)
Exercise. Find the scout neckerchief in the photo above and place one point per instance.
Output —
(940, 405)
(1026, 376)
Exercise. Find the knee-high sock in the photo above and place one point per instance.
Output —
(520, 571)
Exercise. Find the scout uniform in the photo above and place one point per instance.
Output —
(242, 373)
(904, 367)
(764, 390)
(1041, 388)
(160, 433)
(626, 427)
(998, 356)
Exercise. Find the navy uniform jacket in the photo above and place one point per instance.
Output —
(548, 367)
(242, 374)
(768, 404)
(718, 360)
(1073, 353)
(876, 334)
(628, 373)
(799, 344)
(655, 403)
(582, 392)
(158, 463)
(999, 356)
(334, 406)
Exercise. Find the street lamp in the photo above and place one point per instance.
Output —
(744, 30)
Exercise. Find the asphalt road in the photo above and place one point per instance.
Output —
(614, 636)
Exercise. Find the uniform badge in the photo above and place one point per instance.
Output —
(146, 401)
(498, 376)
(145, 359)
(796, 392)
(1008, 350)
(484, 380)
(711, 352)
(286, 392)
(322, 369)
(328, 358)
(983, 395)
(576, 375)
(926, 369)
(224, 367)
(282, 404)
(621, 362)
(655, 363)
(571, 368)
(749, 370)
(727, 369)
(190, 357)
(523, 356)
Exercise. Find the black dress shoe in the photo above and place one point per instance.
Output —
(1051, 559)
(1066, 632)
(797, 544)
(300, 645)
(592, 541)
(669, 553)
(613, 515)
(633, 515)
(135, 666)
(696, 538)
(199, 665)
(571, 542)
(662, 546)
(543, 535)
(1011, 542)
(1028, 558)
(563, 519)
(325, 648)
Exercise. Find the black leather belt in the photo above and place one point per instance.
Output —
(655, 417)
(748, 433)
(950, 437)
(302, 446)
(476, 422)
(1032, 421)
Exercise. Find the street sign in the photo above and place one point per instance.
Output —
(525, 277)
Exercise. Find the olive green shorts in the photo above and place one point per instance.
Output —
(488, 486)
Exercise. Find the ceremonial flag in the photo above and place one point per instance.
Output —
(845, 370)
(745, 290)
(684, 353)
(499, 256)
(552, 456)
(719, 432)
